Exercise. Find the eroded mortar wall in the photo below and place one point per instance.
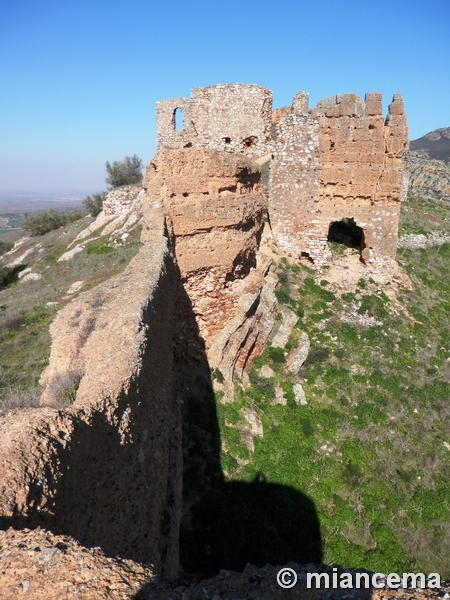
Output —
(339, 160)
(106, 470)
(214, 205)
(228, 117)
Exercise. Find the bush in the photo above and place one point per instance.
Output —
(277, 355)
(124, 172)
(94, 204)
(9, 275)
(63, 388)
(47, 220)
(5, 247)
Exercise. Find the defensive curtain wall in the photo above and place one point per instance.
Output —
(115, 468)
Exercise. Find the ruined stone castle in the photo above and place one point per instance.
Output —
(338, 163)
(123, 466)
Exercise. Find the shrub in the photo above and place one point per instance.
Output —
(277, 355)
(99, 249)
(21, 399)
(9, 275)
(94, 204)
(5, 247)
(124, 172)
(63, 388)
(47, 220)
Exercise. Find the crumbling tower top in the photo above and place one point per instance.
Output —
(229, 117)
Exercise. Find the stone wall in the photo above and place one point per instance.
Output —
(107, 469)
(341, 160)
(214, 205)
(125, 199)
(228, 117)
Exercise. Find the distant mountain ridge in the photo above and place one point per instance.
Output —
(436, 144)
(428, 165)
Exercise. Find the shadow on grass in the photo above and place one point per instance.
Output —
(114, 478)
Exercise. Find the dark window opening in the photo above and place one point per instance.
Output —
(249, 143)
(227, 140)
(178, 119)
(347, 233)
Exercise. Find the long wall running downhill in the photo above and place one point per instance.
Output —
(138, 351)
(106, 470)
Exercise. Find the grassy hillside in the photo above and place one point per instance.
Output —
(371, 448)
(28, 307)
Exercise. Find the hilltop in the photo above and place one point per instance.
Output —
(428, 165)
(436, 144)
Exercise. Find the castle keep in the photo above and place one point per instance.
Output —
(336, 172)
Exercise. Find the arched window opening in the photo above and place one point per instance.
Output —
(346, 233)
(178, 119)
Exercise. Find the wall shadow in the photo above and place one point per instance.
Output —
(227, 524)
(111, 477)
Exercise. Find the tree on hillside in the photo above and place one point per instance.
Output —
(47, 220)
(94, 203)
(124, 172)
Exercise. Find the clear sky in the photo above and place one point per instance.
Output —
(79, 79)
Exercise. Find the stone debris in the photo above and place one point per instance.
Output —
(266, 371)
(280, 398)
(261, 583)
(32, 277)
(414, 241)
(42, 566)
(299, 393)
(355, 318)
(75, 287)
(254, 429)
(284, 330)
(299, 354)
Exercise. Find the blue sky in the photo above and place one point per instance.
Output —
(79, 79)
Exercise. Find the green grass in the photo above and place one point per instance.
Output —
(25, 316)
(369, 446)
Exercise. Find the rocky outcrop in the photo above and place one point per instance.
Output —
(436, 144)
(428, 177)
(41, 566)
(122, 212)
